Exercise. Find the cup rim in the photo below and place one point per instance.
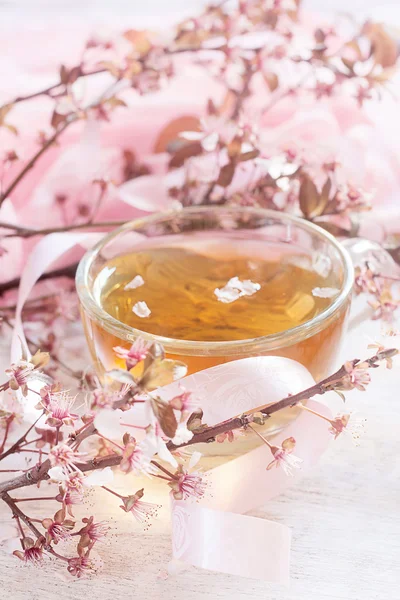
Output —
(214, 348)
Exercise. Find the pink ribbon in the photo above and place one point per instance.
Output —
(214, 533)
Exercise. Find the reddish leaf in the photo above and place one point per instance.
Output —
(308, 197)
(235, 147)
(63, 74)
(139, 39)
(211, 108)
(249, 155)
(194, 422)
(272, 81)
(57, 119)
(186, 151)
(333, 228)
(384, 47)
(324, 197)
(74, 74)
(171, 131)
(165, 416)
(226, 174)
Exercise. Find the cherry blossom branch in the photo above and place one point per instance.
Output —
(16, 445)
(31, 163)
(204, 434)
(207, 435)
(68, 271)
(17, 512)
(26, 232)
(47, 91)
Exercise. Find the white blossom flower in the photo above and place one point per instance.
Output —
(99, 477)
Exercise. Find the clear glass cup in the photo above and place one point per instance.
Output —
(314, 343)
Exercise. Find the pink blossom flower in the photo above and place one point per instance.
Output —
(69, 499)
(80, 566)
(19, 374)
(92, 532)
(142, 511)
(357, 376)
(58, 528)
(186, 485)
(136, 353)
(364, 280)
(283, 457)
(343, 424)
(134, 460)
(57, 405)
(64, 456)
(384, 306)
(32, 551)
(186, 402)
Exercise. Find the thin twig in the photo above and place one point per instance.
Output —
(68, 271)
(26, 232)
(36, 157)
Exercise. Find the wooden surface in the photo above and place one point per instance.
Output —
(344, 516)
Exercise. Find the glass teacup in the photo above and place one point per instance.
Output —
(219, 284)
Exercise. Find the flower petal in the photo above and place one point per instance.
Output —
(108, 423)
(99, 477)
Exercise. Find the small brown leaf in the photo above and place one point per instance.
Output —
(170, 132)
(127, 439)
(308, 197)
(194, 422)
(349, 64)
(184, 152)
(249, 155)
(74, 74)
(155, 351)
(64, 74)
(165, 415)
(57, 119)
(272, 81)
(211, 108)
(121, 376)
(289, 444)
(114, 102)
(40, 359)
(139, 39)
(384, 46)
(332, 228)
(226, 174)
(234, 147)
(162, 372)
(324, 197)
(4, 110)
(319, 36)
